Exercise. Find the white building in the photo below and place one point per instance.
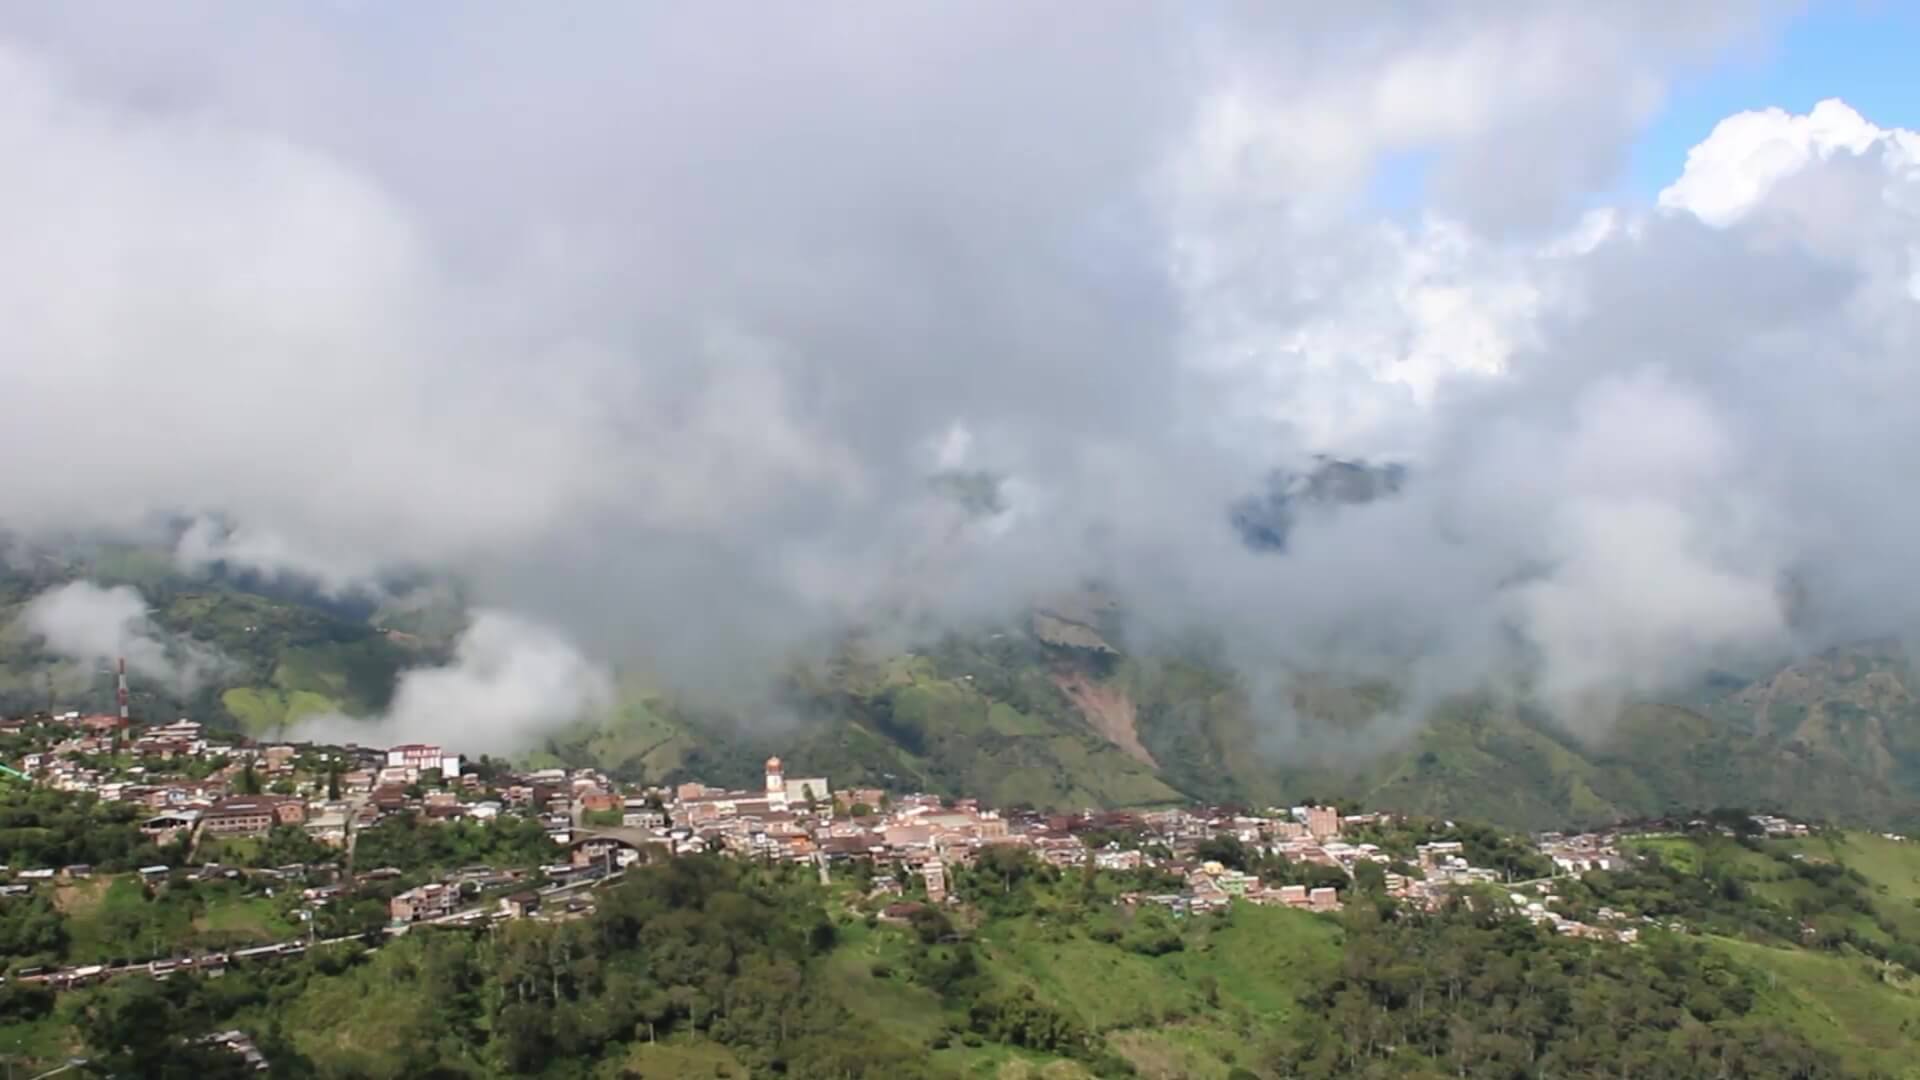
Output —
(784, 791)
(414, 756)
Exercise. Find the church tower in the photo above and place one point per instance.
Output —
(776, 785)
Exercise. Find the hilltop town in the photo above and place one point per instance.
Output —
(212, 803)
(149, 853)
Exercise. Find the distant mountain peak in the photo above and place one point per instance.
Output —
(1266, 521)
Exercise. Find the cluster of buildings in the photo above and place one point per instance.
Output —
(600, 827)
(1774, 825)
(1538, 906)
(1582, 853)
(241, 1044)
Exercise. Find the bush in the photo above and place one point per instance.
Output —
(930, 924)
(1018, 1018)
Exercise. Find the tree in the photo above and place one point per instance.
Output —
(248, 782)
(1223, 848)
(333, 783)
(139, 1028)
(1006, 865)
(31, 928)
(287, 844)
(1369, 878)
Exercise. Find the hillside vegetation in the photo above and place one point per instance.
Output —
(1054, 710)
(1013, 720)
(260, 660)
(711, 967)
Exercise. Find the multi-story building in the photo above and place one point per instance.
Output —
(421, 757)
(180, 738)
(426, 902)
(1323, 822)
(251, 815)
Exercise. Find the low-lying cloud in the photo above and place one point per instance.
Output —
(508, 678)
(83, 622)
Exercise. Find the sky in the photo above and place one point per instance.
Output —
(1860, 52)
(654, 325)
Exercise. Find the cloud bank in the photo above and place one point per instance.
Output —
(89, 624)
(508, 677)
(652, 324)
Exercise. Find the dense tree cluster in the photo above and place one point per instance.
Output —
(31, 929)
(1466, 994)
(406, 843)
(706, 965)
(44, 827)
(691, 947)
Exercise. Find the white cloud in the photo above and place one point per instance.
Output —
(1652, 566)
(1734, 169)
(84, 622)
(671, 379)
(510, 680)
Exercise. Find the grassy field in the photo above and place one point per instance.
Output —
(1840, 1001)
(675, 1059)
(231, 850)
(1264, 958)
(110, 917)
(374, 1021)
(1189, 1013)
(40, 1044)
(890, 1002)
(253, 916)
(264, 710)
(1003, 1063)
(1893, 866)
(1680, 852)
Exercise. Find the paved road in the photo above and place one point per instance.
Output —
(78, 975)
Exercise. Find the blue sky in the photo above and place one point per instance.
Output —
(1863, 53)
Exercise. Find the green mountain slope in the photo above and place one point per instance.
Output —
(963, 720)
(712, 967)
(1054, 710)
(1034, 715)
(262, 659)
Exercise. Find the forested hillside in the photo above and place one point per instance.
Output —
(1010, 718)
(713, 967)
(1053, 710)
(264, 653)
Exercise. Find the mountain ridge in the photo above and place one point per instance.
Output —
(1028, 715)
